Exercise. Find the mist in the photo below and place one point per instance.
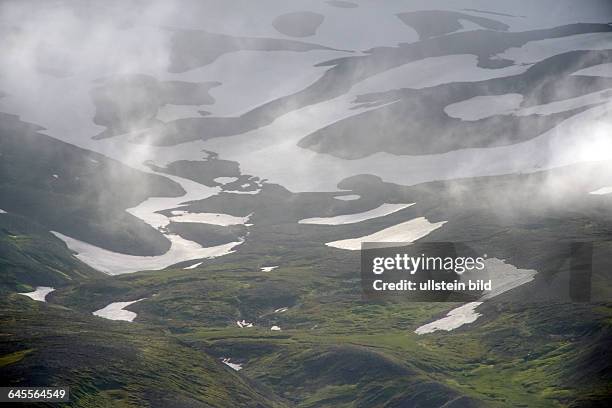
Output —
(300, 96)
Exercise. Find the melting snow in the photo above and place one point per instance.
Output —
(234, 366)
(275, 328)
(602, 70)
(208, 218)
(225, 180)
(455, 318)
(535, 51)
(383, 210)
(2, 211)
(115, 263)
(281, 310)
(480, 107)
(242, 192)
(602, 191)
(39, 294)
(195, 265)
(348, 197)
(243, 323)
(504, 276)
(114, 311)
(405, 232)
(268, 268)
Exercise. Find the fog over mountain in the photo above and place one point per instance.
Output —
(217, 161)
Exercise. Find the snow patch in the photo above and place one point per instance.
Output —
(195, 265)
(381, 211)
(114, 263)
(480, 107)
(535, 51)
(2, 211)
(242, 324)
(405, 232)
(208, 218)
(268, 268)
(225, 180)
(227, 362)
(455, 318)
(243, 192)
(601, 70)
(505, 277)
(115, 311)
(566, 104)
(602, 191)
(348, 197)
(275, 328)
(39, 294)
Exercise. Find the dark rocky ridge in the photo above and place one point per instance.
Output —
(432, 23)
(345, 72)
(193, 48)
(87, 199)
(413, 121)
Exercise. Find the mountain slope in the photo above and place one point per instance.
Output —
(85, 194)
(31, 256)
(109, 364)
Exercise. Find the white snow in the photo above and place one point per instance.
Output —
(281, 310)
(535, 51)
(208, 218)
(271, 151)
(455, 318)
(115, 311)
(433, 71)
(602, 191)
(225, 180)
(406, 232)
(148, 210)
(170, 112)
(381, 211)
(242, 323)
(279, 73)
(504, 277)
(275, 328)
(480, 107)
(235, 366)
(600, 70)
(115, 263)
(253, 192)
(39, 294)
(55, 176)
(348, 197)
(566, 104)
(195, 265)
(143, 49)
(268, 268)
(2, 211)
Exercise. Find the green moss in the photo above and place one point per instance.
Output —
(14, 357)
